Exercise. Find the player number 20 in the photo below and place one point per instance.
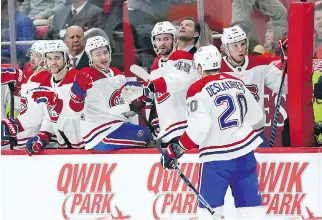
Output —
(225, 120)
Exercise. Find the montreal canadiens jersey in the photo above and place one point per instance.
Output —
(56, 123)
(5, 99)
(31, 113)
(171, 81)
(257, 72)
(220, 115)
(96, 121)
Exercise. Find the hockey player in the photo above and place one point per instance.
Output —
(255, 71)
(53, 95)
(170, 83)
(24, 82)
(163, 39)
(94, 93)
(221, 112)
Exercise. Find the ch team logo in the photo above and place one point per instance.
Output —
(24, 105)
(140, 133)
(115, 99)
(254, 90)
(54, 115)
(161, 97)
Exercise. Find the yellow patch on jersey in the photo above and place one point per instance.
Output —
(317, 103)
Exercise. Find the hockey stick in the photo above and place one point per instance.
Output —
(140, 72)
(143, 74)
(278, 103)
(133, 108)
(185, 179)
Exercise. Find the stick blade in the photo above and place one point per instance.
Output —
(140, 72)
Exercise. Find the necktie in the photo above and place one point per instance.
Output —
(73, 62)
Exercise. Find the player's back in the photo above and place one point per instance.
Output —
(231, 110)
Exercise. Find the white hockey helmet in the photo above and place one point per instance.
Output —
(208, 57)
(37, 47)
(232, 35)
(164, 27)
(94, 43)
(57, 46)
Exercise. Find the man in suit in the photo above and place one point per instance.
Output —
(81, 13)
(188, 35)
(75, 42)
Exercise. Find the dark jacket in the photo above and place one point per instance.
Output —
(193, 50)
(83, 62)
(89, 17)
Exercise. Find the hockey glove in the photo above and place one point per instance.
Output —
(318, 89)
(50, 98)
(170, 156)
(11, 75)
(82, 83)
(37, 142)
(10, 127)
(132, 91)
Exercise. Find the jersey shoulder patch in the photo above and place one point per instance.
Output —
(258, 61)
(43, 78)
(116, 71)
(155, 64)
(200, 84)
(70, 77)
(94, 73)
(181, 54)
(224, 67)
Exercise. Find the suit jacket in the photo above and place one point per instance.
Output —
(193, 50)
(83, 62)
(89, 17)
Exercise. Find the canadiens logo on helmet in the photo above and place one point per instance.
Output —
(115, 99)
(24, 105)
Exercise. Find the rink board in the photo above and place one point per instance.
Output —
(131, 184)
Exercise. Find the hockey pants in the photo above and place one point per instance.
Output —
(127, 136)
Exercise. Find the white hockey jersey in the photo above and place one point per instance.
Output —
(31, 114)
(63, 125)
(256, 73)
(220, 115)
(96, 120)
(5, 100)
(171, 82)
